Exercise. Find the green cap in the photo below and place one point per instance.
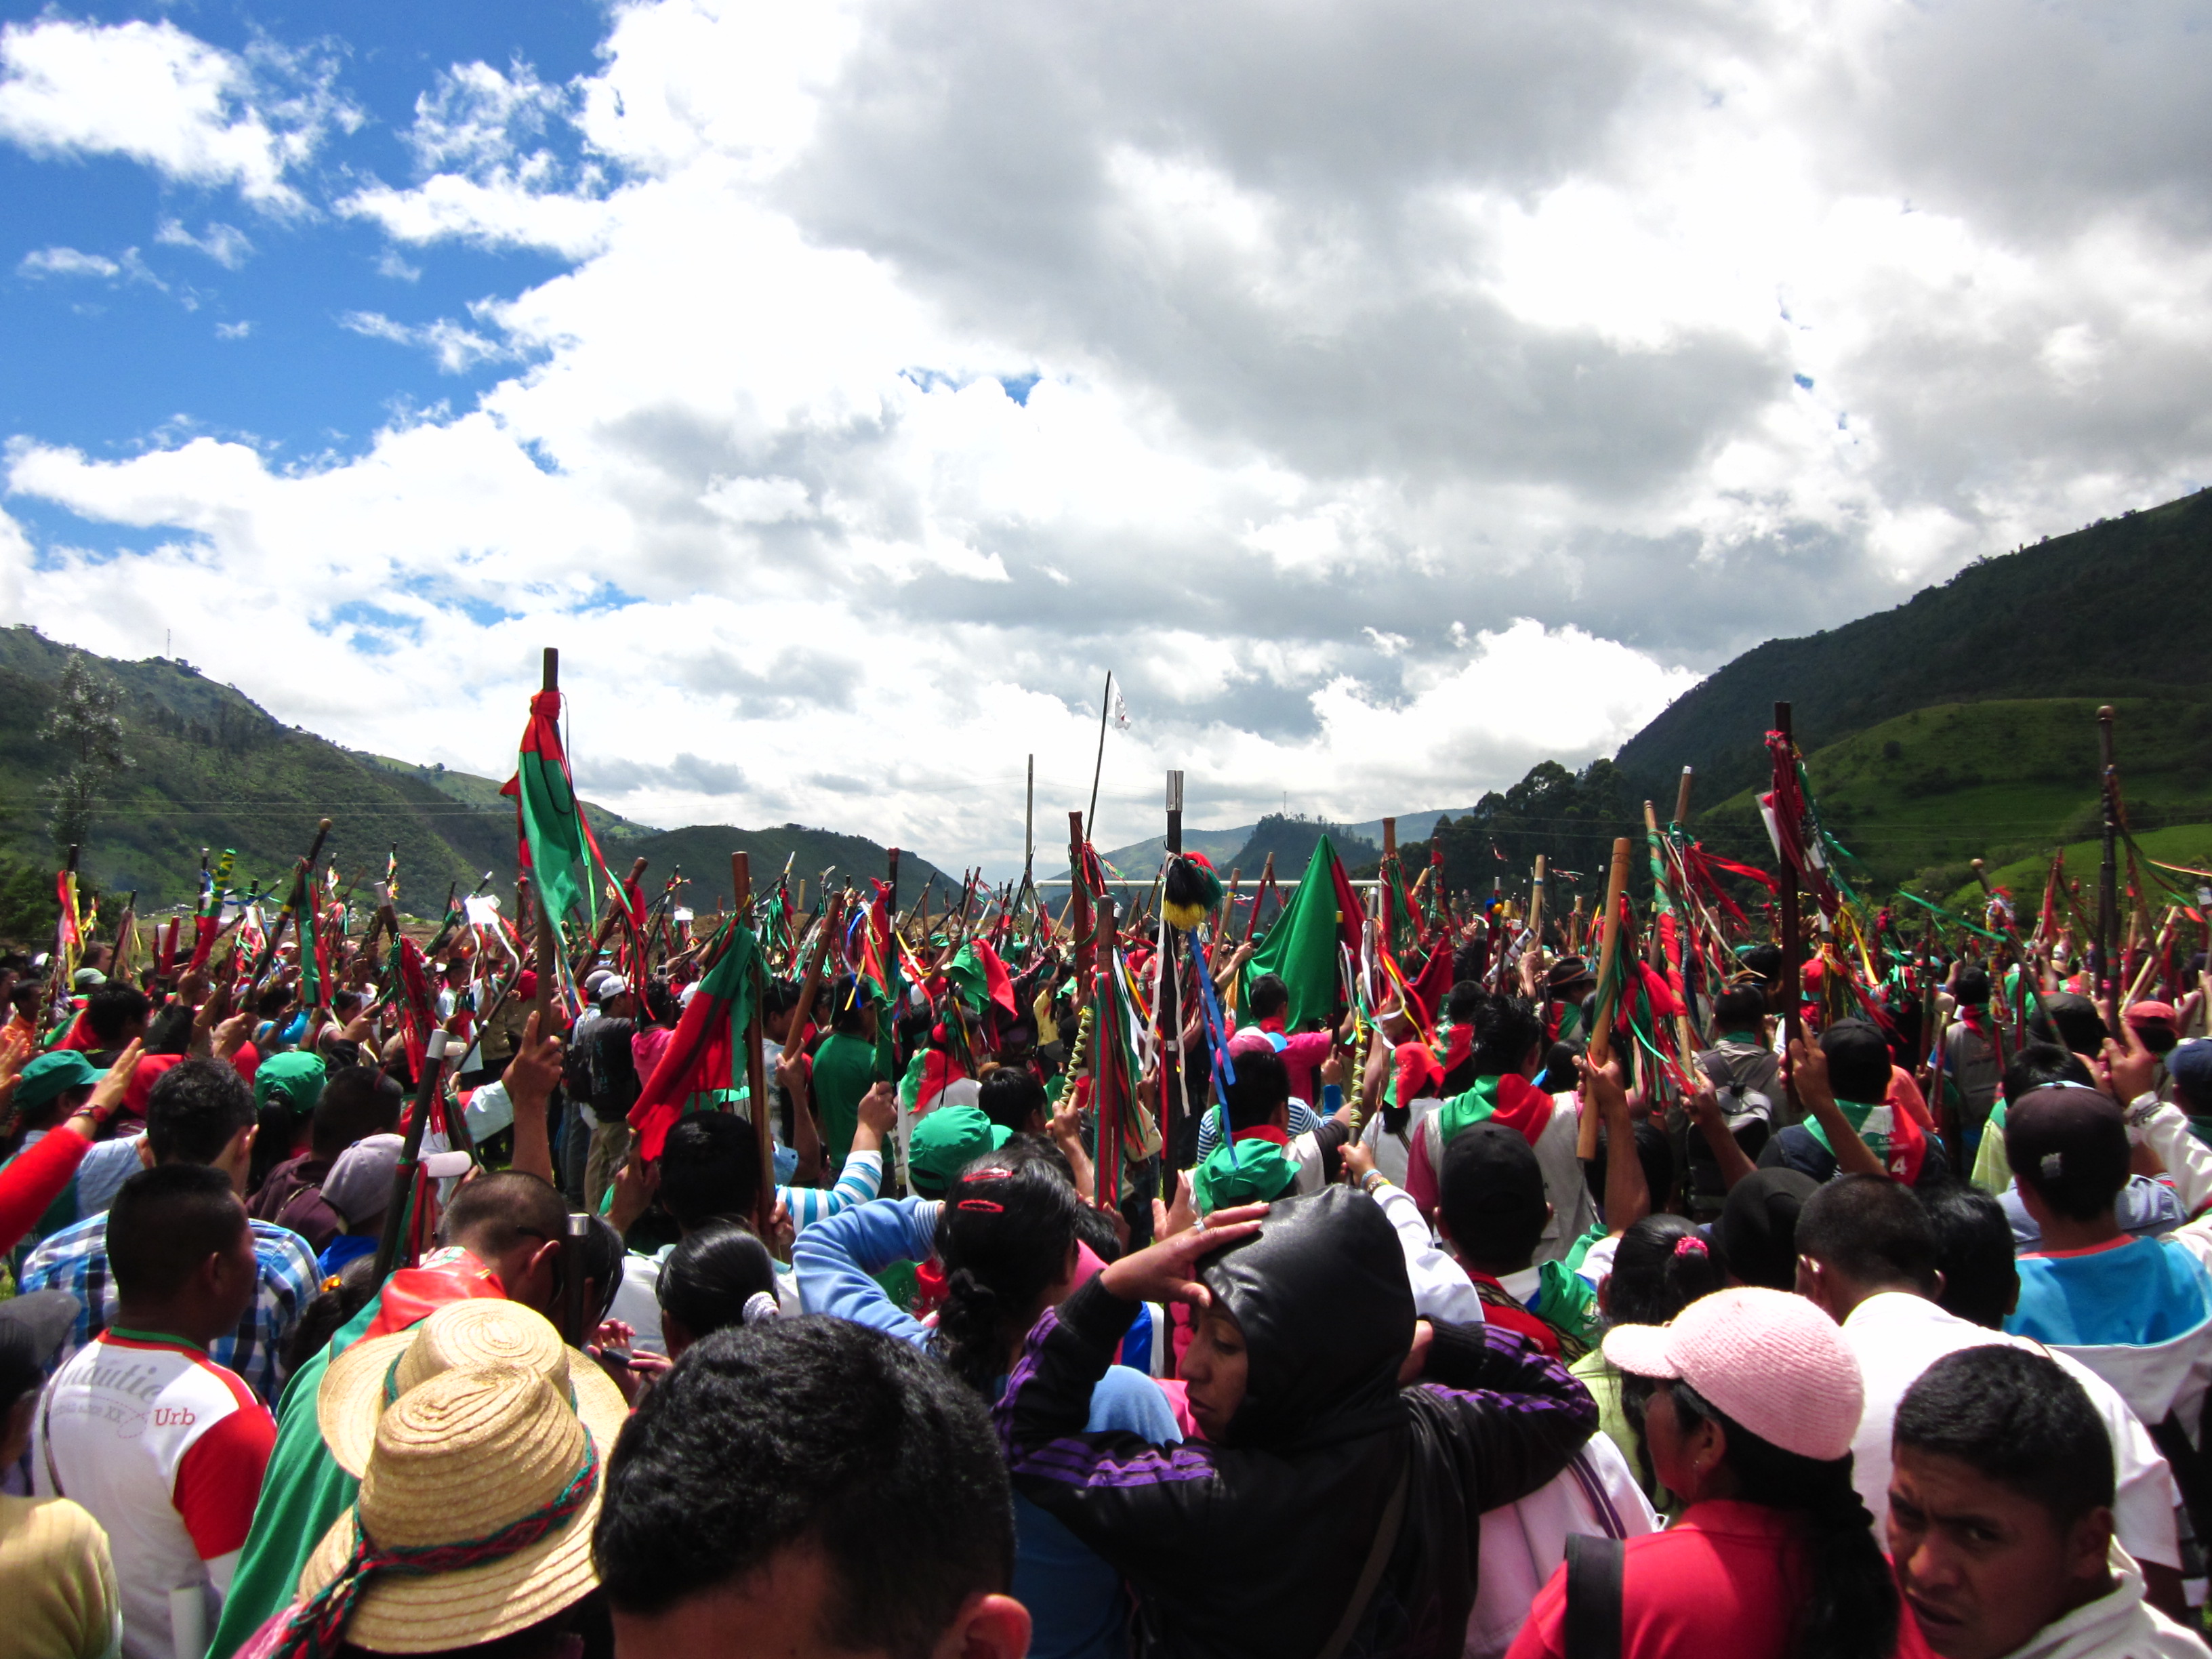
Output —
(1243, 1172)
(294, 1077)
(947, 1142)
(52, 1074)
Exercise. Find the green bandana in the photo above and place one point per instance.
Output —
(1243, 1172)
(1567, 1302)
(1877, 1139)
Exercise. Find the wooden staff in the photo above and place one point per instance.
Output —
(810, 984)
(549, 949)
(1536, 916)
(2107, 979)
(2155, 959)
(1600, 1042)
(620, 911)
(1682, 796)
(1079, 899)
(1787, 896)
(1167, 988)
(410, 1154)
(1267, 885)
(741, 889)
(292, 904)
(1685, 1033)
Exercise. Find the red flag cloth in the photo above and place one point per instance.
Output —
(703, 1053)
(1433, 984)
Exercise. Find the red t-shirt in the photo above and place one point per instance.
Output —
(1725, 1578)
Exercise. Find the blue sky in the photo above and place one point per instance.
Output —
(113, 364)
(1393, 394)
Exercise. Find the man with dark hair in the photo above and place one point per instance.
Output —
(114, 1018)
(200, 1112)
(1973, 1256)
(2033, 1066)
(1013, 1099)
(2001, 1518)
(709, 1171)
(810, 1486)
(2069, 1020)
(165, 1447)
(1867, 1257)
(1852, 1078)
(1491, 1212)
(357, 1102)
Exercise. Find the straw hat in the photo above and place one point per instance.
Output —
(370, 1375)
(488, 1464)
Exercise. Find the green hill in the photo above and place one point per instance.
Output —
(2187, 844)
(214, 770)
(1919, 797)
(2117, 609)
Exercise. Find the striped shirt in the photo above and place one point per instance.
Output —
(861, 1180)
(75, 1260)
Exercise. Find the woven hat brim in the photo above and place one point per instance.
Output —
(474, 1604)
(445, 1610)
(351, 1399)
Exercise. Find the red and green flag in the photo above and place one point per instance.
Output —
(557, 847)
(707, 1051)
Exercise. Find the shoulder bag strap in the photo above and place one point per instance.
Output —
(1593, 1629)
(1370, 1575)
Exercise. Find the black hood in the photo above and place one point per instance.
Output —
(1327, 1316)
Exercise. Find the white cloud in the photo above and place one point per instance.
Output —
(65, 262)
(389, 264)
(225, 245)
(233, 330)
(457, 349)
(1392, 395)
(160, 96)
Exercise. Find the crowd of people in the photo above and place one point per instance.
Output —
(1456, 1324)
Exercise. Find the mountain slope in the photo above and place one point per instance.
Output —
(2119, 609)
(212, 770)
(1920, 796)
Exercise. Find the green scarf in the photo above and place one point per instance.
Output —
(1877, 1140)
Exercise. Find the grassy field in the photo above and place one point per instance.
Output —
(2187, 844)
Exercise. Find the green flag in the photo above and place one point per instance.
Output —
(1301, 948)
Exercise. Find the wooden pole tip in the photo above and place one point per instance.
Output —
(1978, 865)
(324, 824)
(2105, 712)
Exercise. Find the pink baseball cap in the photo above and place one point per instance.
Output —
(1771, 1361)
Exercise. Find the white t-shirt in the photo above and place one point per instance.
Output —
(1897, 1335)
(166, 1449)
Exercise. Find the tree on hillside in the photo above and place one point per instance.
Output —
(86, 721)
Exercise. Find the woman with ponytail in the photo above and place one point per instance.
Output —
(716, 1276)
(1005, 1237)
(1662, 1264)
(1755, 1398)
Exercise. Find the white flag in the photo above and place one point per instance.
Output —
(1121, 713)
